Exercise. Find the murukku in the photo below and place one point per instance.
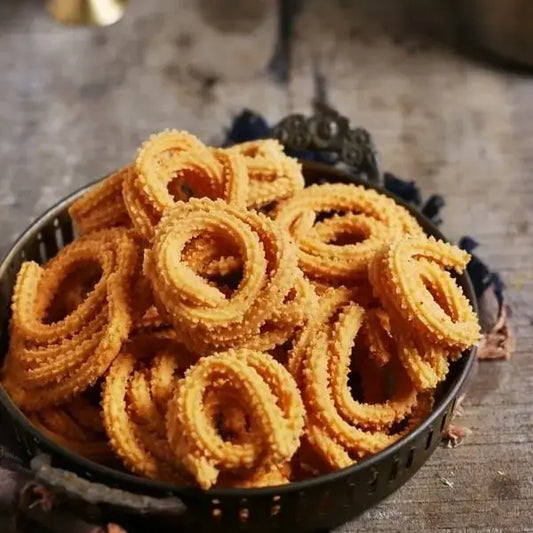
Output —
(425, 362)
(339, 427)
(265, 392)
(74, 288)
(374, 416)
(102, 206)
(50, 362)
(199, 310)
(143, 215)
(408, 272)
(338, 228)
(173, 166)
(136, 391)
(327, 430)
(273, 176)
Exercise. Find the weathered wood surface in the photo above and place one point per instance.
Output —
(74, 104)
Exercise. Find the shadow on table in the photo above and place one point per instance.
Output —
(12, 10)
(420, 24)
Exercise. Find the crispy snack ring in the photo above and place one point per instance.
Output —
(173, 166)
(110, 252)
(407, 272)
(273, 176)
(77, 426)
(74, 289)
(51, 362)
(324, 453)
(340, 428)
(135, 395)
(267, 394)
(164, 156)
(102, 206)
(329, 303)
(337, 443)
(358, 213)
(223, 408)
(371, 416)
(330, 452)
(196, 308)
(324, 419)
(323, 254)
(233, 187)
(146, 188)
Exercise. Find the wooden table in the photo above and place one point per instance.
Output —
(76, 102)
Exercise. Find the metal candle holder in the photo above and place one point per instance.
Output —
(87, 12)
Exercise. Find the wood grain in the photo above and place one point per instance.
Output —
(75, 103)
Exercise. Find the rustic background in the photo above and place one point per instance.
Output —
(75, 103)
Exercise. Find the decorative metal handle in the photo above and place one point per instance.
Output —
(63, 481)
(329, 133)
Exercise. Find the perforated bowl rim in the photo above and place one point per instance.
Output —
(116, 477)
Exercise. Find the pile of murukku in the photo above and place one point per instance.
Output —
(219, 324)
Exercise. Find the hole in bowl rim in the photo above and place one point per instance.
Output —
(114, 477)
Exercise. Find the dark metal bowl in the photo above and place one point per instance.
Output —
(322, 502)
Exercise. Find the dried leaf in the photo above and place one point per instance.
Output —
(455, 435)
(499, 342)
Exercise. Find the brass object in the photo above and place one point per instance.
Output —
(87, 12)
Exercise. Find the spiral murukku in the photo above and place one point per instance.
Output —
(407, 274)
(136, 391)
(338, 228)
(197, 308)
(426, 363)
(431, 318)
(339, 427)
(74, 288)
(329, 303)
(102, 206)
(265, 392)
(49, 362)
(173, 166)
(325, 423)
(273, 176)
(376, 416)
